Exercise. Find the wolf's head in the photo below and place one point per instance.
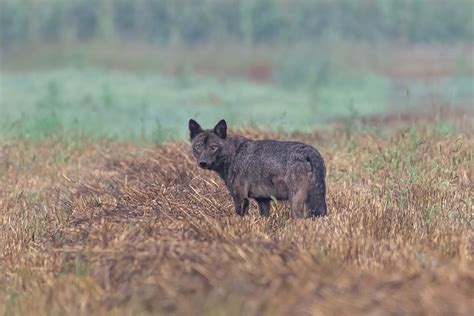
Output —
(209, 146)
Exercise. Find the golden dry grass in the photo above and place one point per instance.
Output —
(114, 228)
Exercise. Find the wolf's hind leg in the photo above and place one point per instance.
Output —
(263, 206)
(298, 199)
(300, 184)
(297, 205)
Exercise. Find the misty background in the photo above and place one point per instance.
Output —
(138, 70)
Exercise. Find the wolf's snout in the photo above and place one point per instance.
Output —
(203, 164)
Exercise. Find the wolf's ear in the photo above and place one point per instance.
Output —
(221, 129)
(194, 128)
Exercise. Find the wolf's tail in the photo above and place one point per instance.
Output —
(316, 200)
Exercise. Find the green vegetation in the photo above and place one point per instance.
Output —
(249, 21)
(153, 107)
(128, 70)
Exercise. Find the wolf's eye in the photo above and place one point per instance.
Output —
(214, 147)
(197, 146)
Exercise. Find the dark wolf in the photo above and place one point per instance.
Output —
(263, 170)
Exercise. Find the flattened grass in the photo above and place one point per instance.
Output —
(116, 228)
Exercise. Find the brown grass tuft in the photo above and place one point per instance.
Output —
(114, 228)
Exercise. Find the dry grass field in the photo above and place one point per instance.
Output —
(95, 228)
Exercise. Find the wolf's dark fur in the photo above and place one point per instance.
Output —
(263, 169)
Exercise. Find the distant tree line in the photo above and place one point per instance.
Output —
(251, 21)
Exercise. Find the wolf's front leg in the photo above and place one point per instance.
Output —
(241, 206)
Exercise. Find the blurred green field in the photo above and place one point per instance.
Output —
(97, 102)
(153, 107)
(138, 70)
